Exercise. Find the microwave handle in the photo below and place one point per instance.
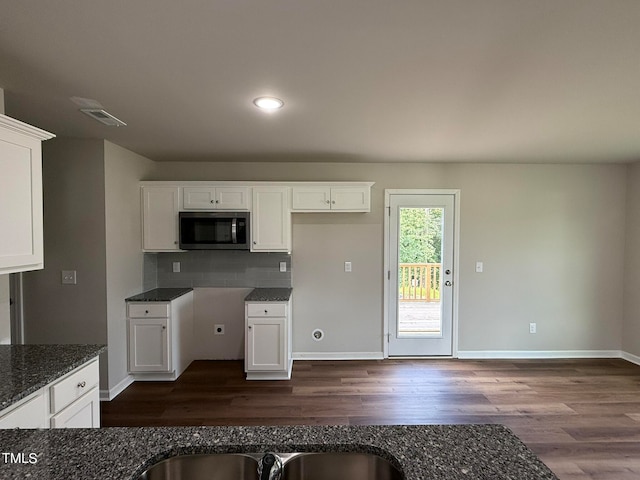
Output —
(234, 230)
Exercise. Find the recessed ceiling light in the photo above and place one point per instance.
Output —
(268, 103)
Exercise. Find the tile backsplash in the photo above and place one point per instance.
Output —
(216, 268)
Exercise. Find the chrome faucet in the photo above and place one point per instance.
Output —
(270, 467)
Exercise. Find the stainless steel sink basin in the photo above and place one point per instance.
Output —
(339, 466)
(218, 466)
(295, 466)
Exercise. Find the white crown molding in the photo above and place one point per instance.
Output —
(24, 128)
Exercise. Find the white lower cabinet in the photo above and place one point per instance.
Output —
(268, 341)
(29, 413)
(160, 338)
(80, 414)
(72, 401)
(149, 346)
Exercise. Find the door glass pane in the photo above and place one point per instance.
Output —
(419, 272)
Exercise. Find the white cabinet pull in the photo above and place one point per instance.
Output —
(82, 384)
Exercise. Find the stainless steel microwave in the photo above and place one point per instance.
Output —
(214, 230)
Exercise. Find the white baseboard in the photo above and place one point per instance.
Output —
(338, 355)
(629, 357)
(108, 395)
(538, 354)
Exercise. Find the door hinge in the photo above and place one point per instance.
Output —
(388, 274)
(389, 209)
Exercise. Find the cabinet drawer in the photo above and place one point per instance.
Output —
(85, 413)
(73, 386)
(266, 310)
(151, 310)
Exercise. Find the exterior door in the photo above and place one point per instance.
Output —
(420, 249)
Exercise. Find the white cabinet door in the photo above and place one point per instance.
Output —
(232, 198)
(160, 206)
(21, 242)
(149, 345)
(29, 413)
(266, 344)
(350, 198)
(199, 198)
(353, 198)
(311, 198)
(83, 413)
(215, 198)
(270, 220)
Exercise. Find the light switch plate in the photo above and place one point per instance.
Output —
(479, 267)
(347, 266)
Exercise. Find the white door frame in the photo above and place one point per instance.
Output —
(456, 261)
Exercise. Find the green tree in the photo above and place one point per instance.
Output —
(420, 235)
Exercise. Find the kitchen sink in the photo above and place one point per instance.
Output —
(217, 466)
(340, 466)
(294, 466)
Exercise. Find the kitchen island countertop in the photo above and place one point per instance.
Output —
(423, 452)
(27, 368)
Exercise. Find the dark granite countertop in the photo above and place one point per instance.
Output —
(26, 368)
(433, 452)
(269, 295)
(159, 295)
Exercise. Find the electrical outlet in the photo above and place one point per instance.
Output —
(218, 329)
(68, 277)
(347, 266)
(533, 328)
(176, 267)
(283, 266)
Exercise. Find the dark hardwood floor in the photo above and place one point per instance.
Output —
(582, 417)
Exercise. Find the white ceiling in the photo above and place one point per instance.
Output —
(362, 80)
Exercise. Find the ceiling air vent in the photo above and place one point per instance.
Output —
(103, 117)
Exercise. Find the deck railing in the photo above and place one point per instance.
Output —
(419, 282)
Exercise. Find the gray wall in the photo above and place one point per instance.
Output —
(124, 259)
(74, 239)
(631, 326)
(551, 238)
(91, 225)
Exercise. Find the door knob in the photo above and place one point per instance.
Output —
(447, 283)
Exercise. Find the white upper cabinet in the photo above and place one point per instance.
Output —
(311, 198)
(270, 220)
(160, 208)
(348, 198)
(270, 204)
(21, 240)
(216, 198)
